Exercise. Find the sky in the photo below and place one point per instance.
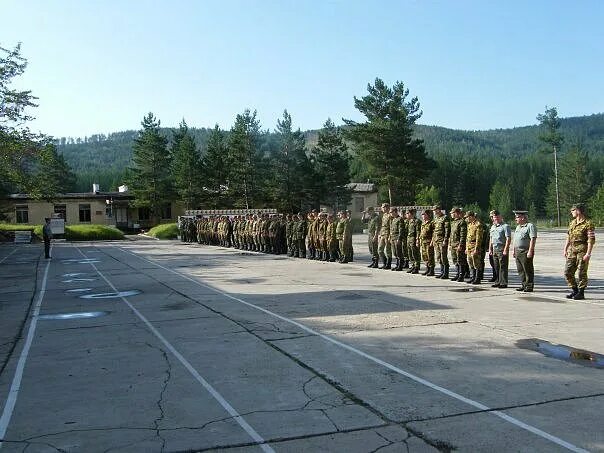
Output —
(100, 66)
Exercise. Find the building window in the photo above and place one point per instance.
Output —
(359, 204)
(166, 211)
(22, 213)
(61, 209)
(144, 214)
(84, 213)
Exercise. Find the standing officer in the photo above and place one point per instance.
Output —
(525, 237)
(577, 250)
(500, 236)
(440, 240)
(373, 229)
(474, 242)
(47, 236)
(425, 242)
(396, 238)
(413, 230)
(384, 248)
(457, 244)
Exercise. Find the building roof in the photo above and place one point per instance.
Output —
(77, 195)
(361, 187)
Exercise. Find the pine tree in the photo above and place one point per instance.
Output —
(245, 160)
(386, 140)
(332, 167)
(596, 206)
(290, 166)
(149, 178)
(551, 137)
(215, 163)
(187, 168)
(500, 198)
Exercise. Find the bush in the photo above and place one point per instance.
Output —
(91, 233)
(165, 231)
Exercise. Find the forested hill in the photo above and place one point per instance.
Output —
(103, 158)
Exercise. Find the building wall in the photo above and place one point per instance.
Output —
(361, 201)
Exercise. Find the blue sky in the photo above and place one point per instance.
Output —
(100, 66)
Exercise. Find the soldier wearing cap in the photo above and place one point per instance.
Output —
(457, 243)
(384, 248)
(413, 231)
(425, 242)
(500, 237)
(373, 228)
(523, 249)
(577, 250)
(440, 240)
(474, 243)
(396, 237)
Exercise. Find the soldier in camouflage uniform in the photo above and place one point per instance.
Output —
(413, 231)
(344, 236)
(425, 242)
(457, 244)
(384, 247)
(373, 227)
(332, 240)
(440, 241)
(396, 238)
(474, 244)
(577, 251)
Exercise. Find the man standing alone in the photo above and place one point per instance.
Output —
(577, 250)
(499, 246)
(525, 237)
(47, 236)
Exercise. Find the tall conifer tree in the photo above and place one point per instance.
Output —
(186, 167)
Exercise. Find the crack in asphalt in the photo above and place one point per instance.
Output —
(159, 402)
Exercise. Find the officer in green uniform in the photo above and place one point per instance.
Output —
(523, 250)
(384, 248)
(373, 228)
(440, 240)
(474, 245)
(425, 242)
(577, 250)
(343, 231)
(332, 241)
(413, 230)
(457, 243)
(396, 238)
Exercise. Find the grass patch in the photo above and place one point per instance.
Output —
(92, 233)
(165, 231)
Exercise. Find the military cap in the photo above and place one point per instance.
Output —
(494, 212)
(437, 207)
(470, 214)
(517, 212)
(411, 210)
(578, 207)
(455, 209)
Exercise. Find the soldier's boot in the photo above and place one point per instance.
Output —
(385, 260)
(411, 269)
(415, 270)
(388, 264)
(573, 293)
(373, 262)
(580, 294)
(400, 265)
(407, 266)
(445, 273)
(440, 273)
(472, 276)
(430, 271)
(457, 272)
(478, 278)
(395, 268)
(426, 271)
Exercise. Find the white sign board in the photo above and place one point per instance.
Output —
(57, 226)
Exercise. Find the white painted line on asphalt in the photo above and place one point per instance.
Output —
(2, 260)
(223, 402)
(391, 367)
(13, 393)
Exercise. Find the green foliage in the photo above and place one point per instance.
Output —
(501, 199)
(164, 231)
(187, 168)
(386, 141)
(92, 233)
(19, 227)
(427, 195)
(149, 178)
(216, 169)
(596, 206)
(332, 167)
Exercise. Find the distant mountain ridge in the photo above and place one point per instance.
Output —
(100, 155)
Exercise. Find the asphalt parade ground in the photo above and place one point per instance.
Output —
(149, 346)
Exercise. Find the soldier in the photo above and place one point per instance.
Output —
(440, 240)
(384, 249)
(577, 251)
(457, 244)
(523, 250)
(425, 242)
(474, 243)
(413, 230)
(373, 228)
(500, 236)
(396, 237)
(495, 276)
(332, 240)
(344, 235)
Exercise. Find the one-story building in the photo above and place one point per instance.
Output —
(364, 195)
